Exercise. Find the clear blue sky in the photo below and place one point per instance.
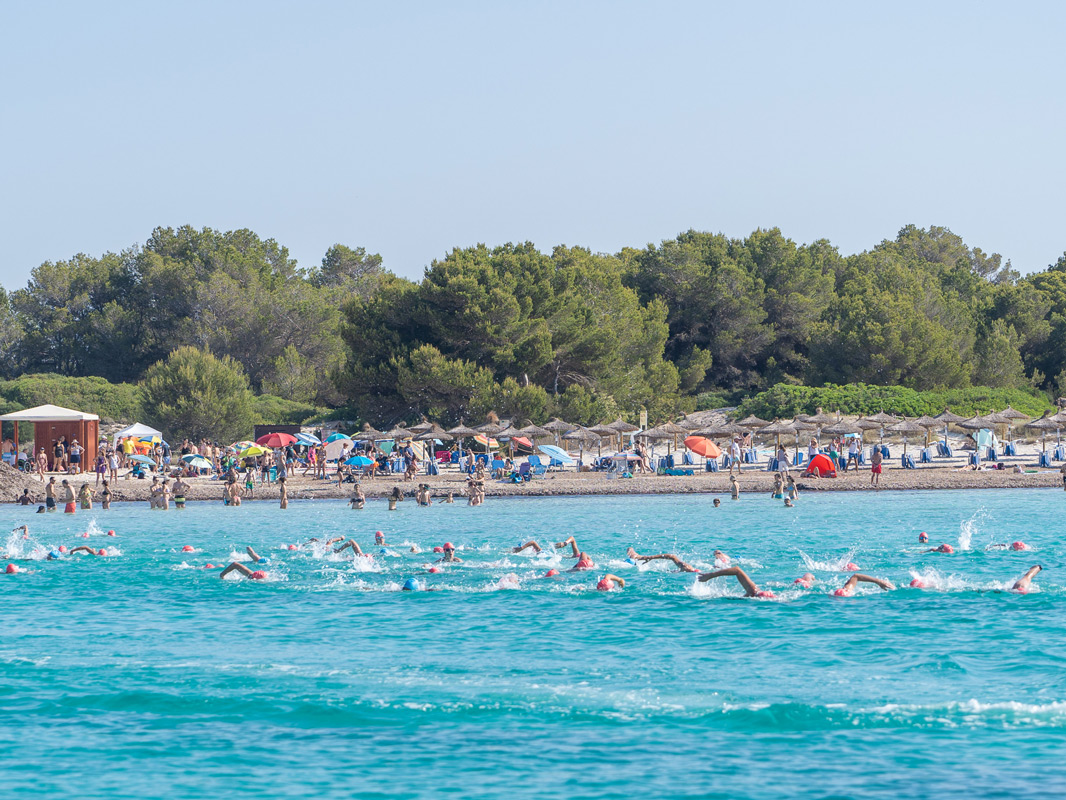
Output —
(413, 128)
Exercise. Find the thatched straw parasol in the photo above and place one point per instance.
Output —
(752, 421)
(1044, 424)
(1012, 414)
(369, 434)
(421, 427)
(929, 423)
(460, 432)
(776, 428)
(906, 426)
(400, 432)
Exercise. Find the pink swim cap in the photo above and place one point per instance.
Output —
(765, 593)
(851, 566)
(85, 535)
(842, 592)
(434, 569)
(438, 549)
(605, 585)
(209, 566)
(804, 582)
(551, 573)
(62, 548)
(101, 552)
(292, 547)
(379, 535)
(187, 548)
(1019, 546)
(11, 569)
(449, 546)
(917, 583)
(946, 548)
(258, 575)
(923, 537)
(111, 533)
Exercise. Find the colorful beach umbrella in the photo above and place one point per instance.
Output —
(254, 450)
(703, 447)
(196, 461)
(308, 438)
(276, 440)
(141, 459)
(333, 437)
(486, 441)
(557, 453)
(359, 461)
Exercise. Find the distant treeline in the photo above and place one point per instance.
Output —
(697, 319)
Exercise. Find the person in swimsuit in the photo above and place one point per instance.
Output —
(24, 498)
(875, 467)
(848, 589)
(358, 499)
(1023, 584)
(681, 565)
(449, 555)
(237, 566)
(749, 586)
(395, 497)
(351, 543)
(584, 560)
(779, 487)
(608, 582)
(105, 497)
(283, 492)
(67, 498)
(85, 497)
(734, 487)
(84, 548)
(180, 488)
(944, 548)
(50, 494)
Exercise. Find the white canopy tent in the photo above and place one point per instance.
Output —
(135, 430)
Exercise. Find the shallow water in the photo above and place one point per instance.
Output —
(144, 675)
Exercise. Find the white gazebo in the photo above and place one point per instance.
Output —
(50, 423)
(136, 430)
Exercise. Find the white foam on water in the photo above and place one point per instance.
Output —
(829, 565)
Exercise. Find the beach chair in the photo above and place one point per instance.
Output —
(1045, 460)
(926, 456)
(524, 473)
(712, 465)
(1009, 449)
(991, 454)
(800, 458)
(1059, 453)
(686, 460)
(974, 460)
(538, 469)
(907, 461)
(771, 465)
(431, 468)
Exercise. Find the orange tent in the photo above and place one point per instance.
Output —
(823, 464)
(703, 447)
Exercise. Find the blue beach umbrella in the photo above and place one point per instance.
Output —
(359, 461)
(335, 436)
(142, 459)
(308, 438)
(556, 452)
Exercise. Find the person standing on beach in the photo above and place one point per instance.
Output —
(283, 492)
(42, 464)
(734, 456)
(66, 496)
(875, 467)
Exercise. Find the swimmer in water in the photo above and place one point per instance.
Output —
(747, 584)
(944, 548)
(531, 543)
(923, 537)
(237, 566)
(806, 581)
(358, 499)
(848, 589)
(789, 503)
(734, 486)
(84, 548)
(352, 544)
(717, 502)
(379, 538)
(449, 555)
(1022, 585)
(584, 561)
(608, 581)
(681, 565)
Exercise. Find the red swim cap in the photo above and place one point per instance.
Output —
(605, 585)
(110, 533)
(378, 533)
(449, 546)
(62, 548)
(209, 566)
(187, 548)
(551, 573)
(85, 535)
(946, 548)
(765, 593)
(842, 592)
(258, 575)
(101, 552)
(438, 549)
(923, 537)
(851, 566)
(917, 583)
(292, 547)
(11, 569)
(1019, 546)
(434, 569)
(804, 582)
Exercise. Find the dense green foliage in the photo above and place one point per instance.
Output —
(110, 401)
(193, 394)
(689, 323)
(786, 401)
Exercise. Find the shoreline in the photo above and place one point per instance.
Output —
(565, 484)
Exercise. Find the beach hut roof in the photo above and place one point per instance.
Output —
(48, 413)
(690, 424)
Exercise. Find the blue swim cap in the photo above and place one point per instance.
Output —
(411, 585)
(384, 552)
(630, 561)
(53, 555)
(263, 560)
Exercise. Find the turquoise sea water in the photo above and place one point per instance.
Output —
(144, 675)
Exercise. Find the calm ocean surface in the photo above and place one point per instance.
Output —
(144, 675)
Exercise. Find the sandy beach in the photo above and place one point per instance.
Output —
(569, 482)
